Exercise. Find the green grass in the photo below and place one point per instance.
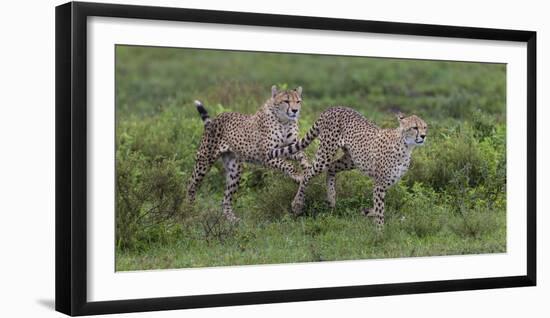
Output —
(452, 201)
(325, 238)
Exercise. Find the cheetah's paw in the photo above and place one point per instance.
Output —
(231, 217)
(297, 207)
(369, 212)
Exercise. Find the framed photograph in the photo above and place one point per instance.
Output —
(209, 158)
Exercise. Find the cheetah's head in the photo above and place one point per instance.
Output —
(413, 129)
(286, 104)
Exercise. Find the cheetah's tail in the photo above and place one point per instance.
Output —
(297, 146)
(202, 111)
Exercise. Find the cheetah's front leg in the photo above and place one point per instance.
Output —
(324, 155)
(377, 212)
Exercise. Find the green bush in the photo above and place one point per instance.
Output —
(273, 200)
(149, 192)
(422, 212)
(476, 222)
(453, 153)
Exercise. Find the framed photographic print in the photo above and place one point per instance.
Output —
(208, 158)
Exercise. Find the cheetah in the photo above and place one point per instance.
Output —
(238, 138)
(382, 154)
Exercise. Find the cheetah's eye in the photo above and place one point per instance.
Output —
(286, 101)
(415, 128)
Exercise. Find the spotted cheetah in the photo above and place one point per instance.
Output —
(239, 138)
(382, 154)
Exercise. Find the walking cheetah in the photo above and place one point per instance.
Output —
(382, 154)
(239, 138)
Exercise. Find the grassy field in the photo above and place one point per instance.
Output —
(452, 200)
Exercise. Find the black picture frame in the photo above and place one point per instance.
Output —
(71, 157)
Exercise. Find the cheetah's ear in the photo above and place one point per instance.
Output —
(399, 115)
(273, 90)
(299, 90)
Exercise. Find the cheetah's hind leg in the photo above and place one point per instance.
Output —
(233, 170)
(204, 161)
(342, 164)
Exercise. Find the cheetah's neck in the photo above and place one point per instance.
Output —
(399, 145)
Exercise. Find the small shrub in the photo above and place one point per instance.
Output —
(245, 238)
(445, 155)
(215, 227)
(147, 193)
(483, 124)
(475, 222)
(397, 196)
(421, 214)
(273, 201)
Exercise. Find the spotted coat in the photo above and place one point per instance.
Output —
(238, 138)
(382, 154)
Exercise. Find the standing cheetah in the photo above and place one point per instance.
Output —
(239, 138)
(382, 154)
